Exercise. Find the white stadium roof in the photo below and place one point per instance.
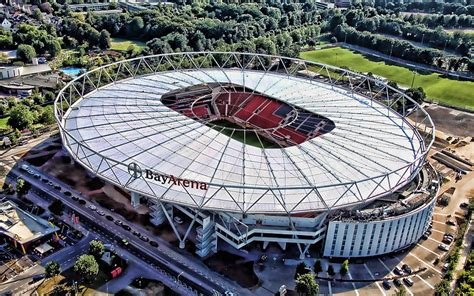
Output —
(371, 150)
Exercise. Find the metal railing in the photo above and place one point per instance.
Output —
(397, 104)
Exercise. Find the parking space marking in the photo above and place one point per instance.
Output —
(353, 284)
(329, 288)
(406, 287)
(442, 223)
(435, 240)
(431, 251)
(426, 263)
(437, 231)
(428, 284)
(372, 276)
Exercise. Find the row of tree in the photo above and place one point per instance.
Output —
(435, 20)
(370, 20)
(402, 49)
(430, 7)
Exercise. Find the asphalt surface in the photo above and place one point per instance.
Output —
(199, 278)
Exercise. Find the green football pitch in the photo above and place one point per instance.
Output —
(448, 91)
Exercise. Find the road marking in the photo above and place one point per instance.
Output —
(406, 287)
(353, 284)
(435, 240)
(329, 288)
(438, 231)
(428, 250)
(442, 223)
(428, 284)
(426, 263)
(372, 276)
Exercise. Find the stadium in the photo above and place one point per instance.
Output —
(257, 149)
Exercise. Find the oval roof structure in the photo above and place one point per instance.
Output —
(124, 133)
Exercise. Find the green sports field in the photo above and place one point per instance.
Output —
(124, 44)
(447, 91)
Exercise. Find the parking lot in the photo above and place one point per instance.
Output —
(420, 256)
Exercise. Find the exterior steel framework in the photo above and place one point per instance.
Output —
(377, 92)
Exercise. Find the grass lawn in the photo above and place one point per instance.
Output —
(444, 90)
(123, 44)
(250, 136)
(3, 123)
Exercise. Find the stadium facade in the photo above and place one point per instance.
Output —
(257, 149)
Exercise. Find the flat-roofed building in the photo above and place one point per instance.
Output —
(23, 228)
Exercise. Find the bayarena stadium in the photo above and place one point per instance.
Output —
(252, 149)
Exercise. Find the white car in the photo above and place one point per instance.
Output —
(443, 247)
(92, 207)
(101, 213)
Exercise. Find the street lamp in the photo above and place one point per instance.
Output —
(413, 80)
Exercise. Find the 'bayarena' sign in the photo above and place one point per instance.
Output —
(136, 172)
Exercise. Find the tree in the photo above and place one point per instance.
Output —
(20, 117)
(56, 207)
(301, 268)
(25, 52)
(331, 270)
(317, 267)
(37, 14)
(135, 27)
(22, 187)
(104, 39)
(96, 248)
(306, 285)
(401, 291)
(344, 268)
(46, 115)
(87, 267)
(52, 269)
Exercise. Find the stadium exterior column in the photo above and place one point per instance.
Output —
(135, 200)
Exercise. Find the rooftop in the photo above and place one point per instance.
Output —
(22, 226)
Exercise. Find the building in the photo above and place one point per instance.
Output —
(250, 150)
(6, 24)
(22, 228)
(22, 80)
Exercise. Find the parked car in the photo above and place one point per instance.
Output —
(397, 282)
(386, 285)
(447, 240)
(92, 207)
(398, 271)
(408, 282)
(448, 234)
(464, 205)
(126, 227)
(110, 218)
(67, 193)
(75, 198)
(144, 238)
(450, 222)
(425, 236)
(406, 268)
(443, 247)
(154, 244)
(135, 232)
(445, 267)
(37, 176)
(118, 222)
(101, 213)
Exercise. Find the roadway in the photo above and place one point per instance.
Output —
(198, 276)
